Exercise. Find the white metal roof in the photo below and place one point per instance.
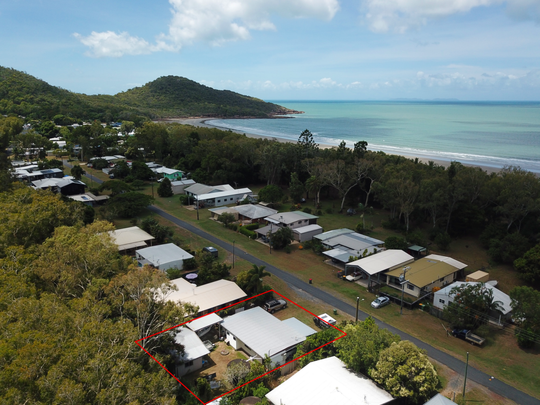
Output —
(193, 345)
(307, 229)
(333, 233)
(207, 296)
(452, 262)
(299, 326)
(440, 400)
(382, 261)
(262, 332)
(352, 241)
(182, 182)
(289, 217)
(498, 295)
(131, 237)
(254, 211)
(162, 254)
(167, 170)
(222, 194)
(328, 382)
(204, 321)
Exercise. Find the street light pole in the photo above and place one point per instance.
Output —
(465, 380)
(233, 254)
(197, 207)
(403, 281)
(357, 300)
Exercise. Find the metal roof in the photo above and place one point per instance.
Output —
(262, 332)
(193, 345)
(425, 271)
(382, 261)
(204, 321)
(131, 237)
(328, 382)
(333, 233)
(308, 228)
(254, 211)
(162, 254)
(221, 194)
(498, 295)
(289, 217)
(440, 400)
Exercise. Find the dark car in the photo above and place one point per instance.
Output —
(274, 305)
(211, 250)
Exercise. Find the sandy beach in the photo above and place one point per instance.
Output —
(202, 122)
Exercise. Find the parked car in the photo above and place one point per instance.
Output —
(357, 275)
(211, 250)
(468, 336)
(328, 320)
(380, 302)
(274, 305)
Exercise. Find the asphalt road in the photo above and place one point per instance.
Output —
(458, 366)
(473, 374)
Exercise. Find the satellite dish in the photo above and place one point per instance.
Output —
(401, 278)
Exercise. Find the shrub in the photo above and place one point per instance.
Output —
(328, 210)
(226, 218)
(233, 227)
(173, 274)
(287, 249)
(443, 240)
(395, 242)
(307, 210)
(244, 231)
(183, 199)
(252, 227)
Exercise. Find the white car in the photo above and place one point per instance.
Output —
(326, 318)
(380, 302)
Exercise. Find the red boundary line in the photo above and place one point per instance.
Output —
(218, 310)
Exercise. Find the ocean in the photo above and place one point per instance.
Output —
(490, 134)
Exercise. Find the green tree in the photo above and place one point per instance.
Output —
(160, 232)
(141, 171)
(77, 172)
(129, 205)
(251, 281)
(405, 371)
(281, 238)
(361, 348)
(526, 313)
(318, 340)
(217, 271)
(226, 218)
(115, 186)
(121, 170)
(165, 188)
(271, 194)
(307, 147)
(296, 188)
(395, 242)
(529, 266)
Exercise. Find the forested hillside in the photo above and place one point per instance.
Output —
(171, 96)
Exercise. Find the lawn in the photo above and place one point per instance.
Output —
(501, 357)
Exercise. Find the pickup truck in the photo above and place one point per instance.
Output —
(468, 336)
(326, 321)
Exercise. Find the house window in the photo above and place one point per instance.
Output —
(441, 280)
(441, 301)
(218, 200)
(410, 286)
(188, 364)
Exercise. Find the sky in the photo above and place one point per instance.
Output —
(282, 49)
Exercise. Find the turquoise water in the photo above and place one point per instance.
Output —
(493, 134)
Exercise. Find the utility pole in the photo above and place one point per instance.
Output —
(233, 254)
(465, 380)
(403, 281)
(357, 300)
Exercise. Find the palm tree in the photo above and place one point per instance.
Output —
(255, 276)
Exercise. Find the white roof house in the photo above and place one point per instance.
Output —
(259, 333)
(293, 219)
(194, 350)
(328, 382)
(387, 260)
(204, 321)
(163, 257)
(208, 297)
(227, 197)
(130, 238)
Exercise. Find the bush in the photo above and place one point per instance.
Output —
(282, 238)
(226, 218)
(244, 231)
(328, 210)
(395, 242)
(165, 188)
(443, 240)
(252, 227)
(232, 227)
(183, 199)
(173, 274)
(307, 210)
(288, 249)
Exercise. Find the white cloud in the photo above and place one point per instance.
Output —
(209, 21)
(401, 15)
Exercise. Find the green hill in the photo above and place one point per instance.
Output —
(169, 96)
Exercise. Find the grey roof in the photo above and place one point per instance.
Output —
(307, 228)
(352, 241)
(299, 326)
(333, 233)
(440, 400)
(199, 188)
(193, 346)
(163, 254)
(223, 193)
(254, 211)
(289, 217)
(262, 332)
(339, 255)
(182, 182)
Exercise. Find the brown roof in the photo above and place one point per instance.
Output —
(425, 271)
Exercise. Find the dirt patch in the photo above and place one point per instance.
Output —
(305, 295)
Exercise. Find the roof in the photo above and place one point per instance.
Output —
(308, 228)
(207, 296)
(339, 254)
(333, 233)
(440, 400)
(163, 254)
(182, 182)
(328, 382)
(477, 275)
(416, 248)
(299, 326)
(498, 295)
(226, 193)
(199, 188)
(193, 345)
(354, 241)
(204, 321)
(289, 217)
(382, 261)
(166, 170)
(263, 332)
(254, 211)
(449, 260)
(131, 237)
(425, 271)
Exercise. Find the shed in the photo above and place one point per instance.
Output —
(178, 186)
(417, 251)
(163, 257)
(194, 351)
(478, 276)
(328, 381)
(131, 238)
(306, 233)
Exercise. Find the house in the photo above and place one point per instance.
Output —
(328, 381)
(306, 233)
(247, 213)
(131, 238)
(31, 174)
(171, 174)
(216, 196)
(440, 400)
(178, 186)
(163, 257)
(293, 220)
(194, 351)
(203, 324)
(375, 265)
(442, 298)
(208, 297)
(89, 198)
(342, 245)
(261, 334)
(425, 274)
(66, 186)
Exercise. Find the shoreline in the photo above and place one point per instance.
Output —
(202, 122)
